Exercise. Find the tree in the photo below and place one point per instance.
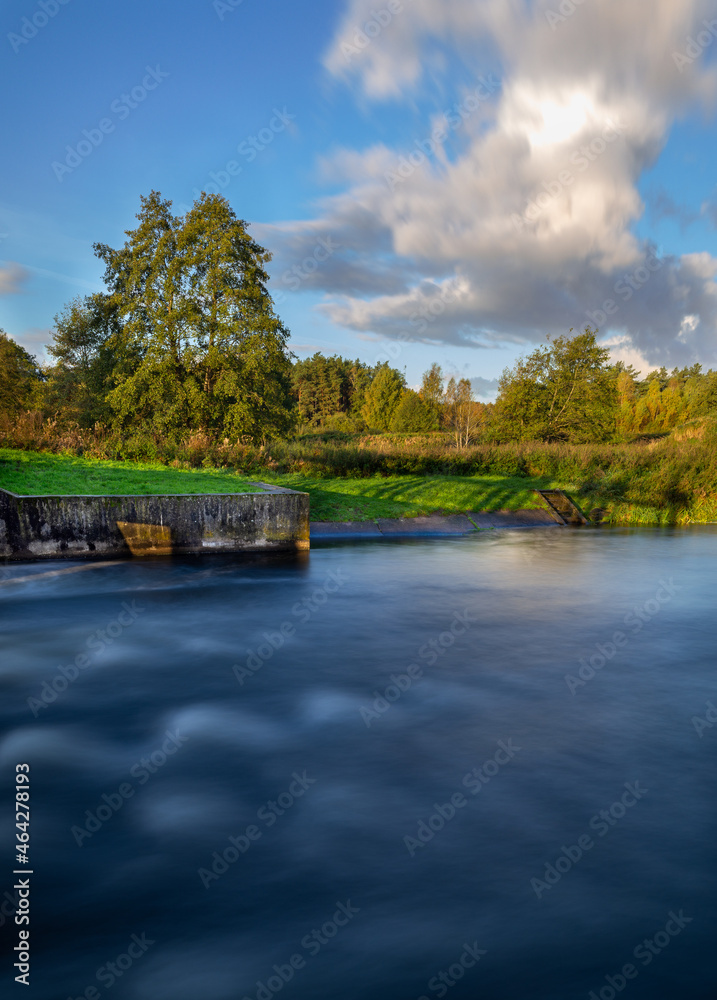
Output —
(522, 399)
(324, 387)
(360, 378)
(20, 377)
(414, 414)
(566, 391)
(382, 397)
(463, 412)
(626, 395)
(700, 391)
(431, 391)
(85, 361)
(201, 343)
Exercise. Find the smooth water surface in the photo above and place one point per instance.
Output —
(334, 716)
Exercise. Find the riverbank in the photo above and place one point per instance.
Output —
(657, 484)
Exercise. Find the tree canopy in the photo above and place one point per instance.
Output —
(382, 397)
(565, 391)
(325, 387)
(197, 342)
(20, 376)
(84, 360)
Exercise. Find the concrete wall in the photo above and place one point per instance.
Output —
(48, 527)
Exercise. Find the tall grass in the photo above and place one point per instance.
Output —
(666, 480)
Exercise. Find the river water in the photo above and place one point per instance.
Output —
(478, 768)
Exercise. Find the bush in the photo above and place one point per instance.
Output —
(412, 414)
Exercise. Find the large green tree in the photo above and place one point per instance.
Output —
(20, 377)
(199, 342)
(431, 391)
(565, 391)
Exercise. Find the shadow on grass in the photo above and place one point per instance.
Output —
(409, 496)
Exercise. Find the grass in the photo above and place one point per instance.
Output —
(334, 499)
(33, 474)
(346, 499)
(350, 476)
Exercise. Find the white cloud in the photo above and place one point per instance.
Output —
(527, 209)
(622, 350)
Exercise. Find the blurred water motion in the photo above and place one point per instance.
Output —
(225, 753)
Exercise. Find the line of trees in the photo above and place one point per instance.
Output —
(378, 398)
(185, 338)
(570, 391)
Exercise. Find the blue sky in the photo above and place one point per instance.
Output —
(477, 228)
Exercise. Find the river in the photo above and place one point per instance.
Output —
(472, 767)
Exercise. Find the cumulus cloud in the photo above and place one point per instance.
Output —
(12, 277)
(512, 213)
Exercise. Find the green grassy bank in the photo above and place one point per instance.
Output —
(36, 473)
(654, 483)
(332, 499)
(364, 499)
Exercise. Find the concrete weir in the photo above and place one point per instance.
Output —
(51, 527)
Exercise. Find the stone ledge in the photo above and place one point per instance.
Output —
(51, 527)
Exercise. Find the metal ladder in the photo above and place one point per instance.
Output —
(563, 507)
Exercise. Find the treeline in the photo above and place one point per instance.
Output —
(338, 394)
(570, 391)
(331, 393)
(184, 341)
